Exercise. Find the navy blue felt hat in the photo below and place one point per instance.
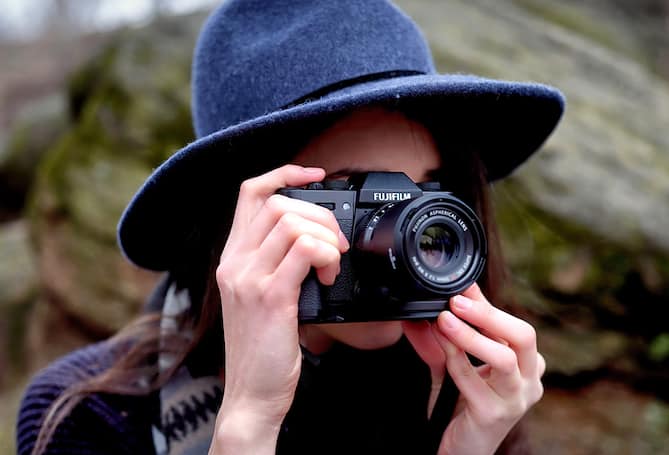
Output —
(266, 72)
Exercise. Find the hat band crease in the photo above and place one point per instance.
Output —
(323, 91)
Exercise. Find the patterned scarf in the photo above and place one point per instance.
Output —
(188, 405)
(189, 402)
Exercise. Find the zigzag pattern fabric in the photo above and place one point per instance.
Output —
(188, 405)
(190, 414)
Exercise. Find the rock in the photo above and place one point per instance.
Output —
(605, 417)
(569, 351)
(18, 272)
(50, 334)
(584, 222)
(36, 129)
(19, 286)
(606, 164)
(132, 109)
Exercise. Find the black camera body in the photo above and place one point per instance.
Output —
(413, 247)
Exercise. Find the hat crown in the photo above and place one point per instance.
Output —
(254, 57)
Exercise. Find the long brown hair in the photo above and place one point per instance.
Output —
(140, 343)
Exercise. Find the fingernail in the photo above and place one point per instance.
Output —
(448, 320)
(461, 303)
(343, 242)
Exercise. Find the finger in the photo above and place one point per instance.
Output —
(541, 365)
(502, 359)
(284, 234)
(419, 334)
(253, 192)
(275, 209)
(493, 337)
(305, 253)
(465, 376)
(474, 292)
(425, 344)
(519, 334)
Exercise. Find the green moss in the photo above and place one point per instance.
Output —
(130, 118)
(576, 20)
(659, 348)
(17, 326)
(19, 140)
(534, 241)
(100, 190)
(539, 245)
(446, 62)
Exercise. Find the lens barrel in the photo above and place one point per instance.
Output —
(432, 246)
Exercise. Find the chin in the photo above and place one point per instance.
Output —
(366, 335)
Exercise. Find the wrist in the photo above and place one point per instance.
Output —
(244, 430)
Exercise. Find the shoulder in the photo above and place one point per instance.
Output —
(101, 423)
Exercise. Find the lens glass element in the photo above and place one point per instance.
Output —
(436, 246)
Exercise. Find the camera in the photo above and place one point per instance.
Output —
(413, 247)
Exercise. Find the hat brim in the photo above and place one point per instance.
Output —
(190, 193)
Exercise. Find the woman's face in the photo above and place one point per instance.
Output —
(368, 140)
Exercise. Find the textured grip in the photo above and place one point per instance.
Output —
(313, 294)
(309, 305)
(316, 300)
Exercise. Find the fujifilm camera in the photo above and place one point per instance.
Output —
(413, 247)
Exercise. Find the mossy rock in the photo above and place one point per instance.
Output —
(36, 128)
(131, 106)
(583, 221)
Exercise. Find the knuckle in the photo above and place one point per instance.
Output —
(325, 217)
(235, 283)
(327, 253)
(289, 168)
(527, 335)
(304, 244)
(227, 288)
(507, 362)
(538, 392)
(275, 204)
(465, 371)
(535, 391)
(288, 223)
(541, 364)
(333, 254)
(248, 186)
(222, 272)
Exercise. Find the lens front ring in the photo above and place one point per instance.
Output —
(455, 257)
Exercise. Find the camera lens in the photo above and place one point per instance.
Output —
(436, 246)
(431, 245)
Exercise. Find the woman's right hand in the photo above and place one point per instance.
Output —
(273, 243)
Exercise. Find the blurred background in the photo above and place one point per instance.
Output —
(95, 93)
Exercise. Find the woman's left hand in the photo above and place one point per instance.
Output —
(493, 396)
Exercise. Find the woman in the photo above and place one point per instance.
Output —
(222, 363)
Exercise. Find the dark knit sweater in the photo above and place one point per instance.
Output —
(100, 424)
(348, 401)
